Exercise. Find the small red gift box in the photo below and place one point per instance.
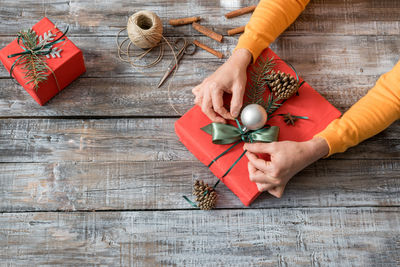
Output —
(66, 66)
(307, 103)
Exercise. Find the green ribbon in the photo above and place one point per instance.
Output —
(223, 134)
(39, 50)
(294, 116)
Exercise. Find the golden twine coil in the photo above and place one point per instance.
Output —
(145, 31)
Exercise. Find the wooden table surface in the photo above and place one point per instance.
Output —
(96, 176)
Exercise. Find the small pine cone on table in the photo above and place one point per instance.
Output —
(283, 85)
(206, 196)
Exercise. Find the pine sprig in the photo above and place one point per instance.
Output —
(261, 76)
(259, 73)
(35, 67)
(272, 104)
(29, 38)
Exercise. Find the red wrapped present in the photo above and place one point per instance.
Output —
(307, 103)
(64, 62)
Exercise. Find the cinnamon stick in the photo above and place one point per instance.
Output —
(208, 49)
(240, 11)
(208, 32)
(236, 30)
(183, 21)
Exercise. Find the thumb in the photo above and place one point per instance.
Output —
(237, 99)
(277, 191)
(267, 148)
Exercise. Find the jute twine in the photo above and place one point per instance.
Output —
(145, 31)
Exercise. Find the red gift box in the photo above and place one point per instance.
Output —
(66, 68)
(307, 103)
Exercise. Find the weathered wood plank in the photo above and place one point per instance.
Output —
(101, 58)
(270, 237)
(117, 140)
(80, 186)
(322, 55)
(342, 69)
(357, 17)
(130, 96)
(340, 47)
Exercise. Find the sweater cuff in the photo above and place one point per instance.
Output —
(250, 43)
(332, 139)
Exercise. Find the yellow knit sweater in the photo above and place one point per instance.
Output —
(369, 116)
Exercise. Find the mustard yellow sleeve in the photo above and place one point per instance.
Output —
(379, 108)
(269, 20)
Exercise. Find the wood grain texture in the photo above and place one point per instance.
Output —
(271, 237)
(338, 17)
(336, 55)
(116, 140)
(342, 69)
(107, 144)
(86, 186)
(130, 96)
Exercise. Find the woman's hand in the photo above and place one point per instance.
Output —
(287, 159)
(229, 78)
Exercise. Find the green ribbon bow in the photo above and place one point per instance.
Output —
(223, 134)
(38, 50)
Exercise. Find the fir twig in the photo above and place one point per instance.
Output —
(35, 67)
(259, 73)
(272, 105)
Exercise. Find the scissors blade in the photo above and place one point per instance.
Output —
(166, 75)
(174, 63)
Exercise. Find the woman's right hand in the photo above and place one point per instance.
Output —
(287, 159)
(228, 78)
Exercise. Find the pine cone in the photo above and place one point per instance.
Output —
(283, 85)
(206, 196)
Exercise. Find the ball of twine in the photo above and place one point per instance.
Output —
(145, 29)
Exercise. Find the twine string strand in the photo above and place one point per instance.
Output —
(144, 30)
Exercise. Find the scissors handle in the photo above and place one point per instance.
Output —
(186, 48)
(190, 48)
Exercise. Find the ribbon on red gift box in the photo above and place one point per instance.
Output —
(223, 134)
(36, 50)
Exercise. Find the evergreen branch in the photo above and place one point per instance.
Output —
(34, 65)
(259, 75)
(272, 105)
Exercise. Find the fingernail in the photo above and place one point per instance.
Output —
(235, 114)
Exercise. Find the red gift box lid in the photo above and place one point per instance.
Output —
(65, 74)
(307, 103)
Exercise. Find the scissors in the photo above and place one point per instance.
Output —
(187, 48)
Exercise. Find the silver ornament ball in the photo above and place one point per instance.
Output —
(253, 117)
